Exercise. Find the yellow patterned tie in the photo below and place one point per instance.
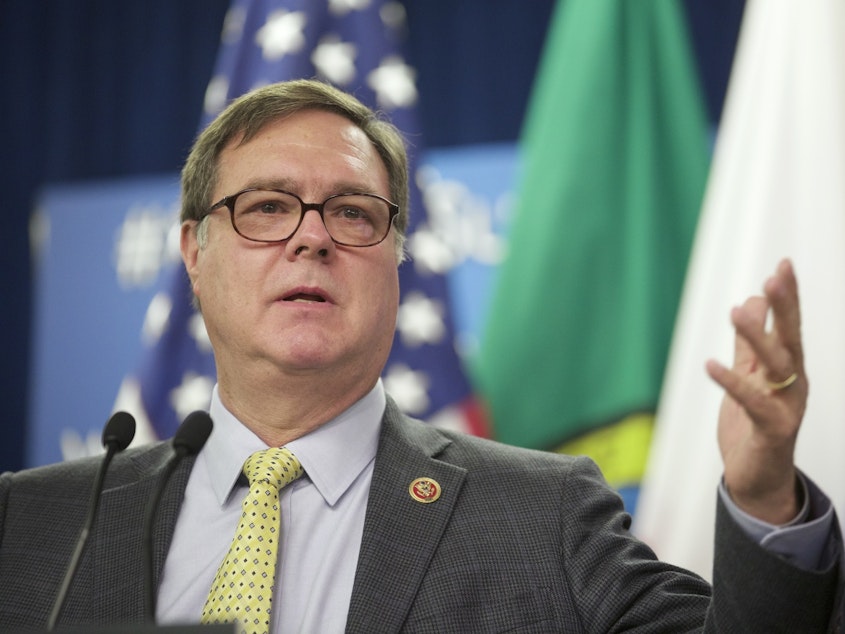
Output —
(243, 587)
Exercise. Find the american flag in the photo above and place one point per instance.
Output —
(357, 46)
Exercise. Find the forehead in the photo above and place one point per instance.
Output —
(307, 152)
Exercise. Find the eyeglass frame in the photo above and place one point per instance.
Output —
(304, 207)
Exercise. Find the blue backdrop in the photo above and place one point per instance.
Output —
(103, 251)
(97, 88)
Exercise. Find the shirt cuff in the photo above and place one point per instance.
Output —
(805, 541)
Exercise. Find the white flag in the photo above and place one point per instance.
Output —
(776, 189)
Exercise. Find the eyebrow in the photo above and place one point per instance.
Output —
(272, 183)
(290, 185)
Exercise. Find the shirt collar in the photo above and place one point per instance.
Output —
(333, 455)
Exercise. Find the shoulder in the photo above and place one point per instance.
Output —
(486, 460)
(541, 477)
(79, 474)
(482, 452)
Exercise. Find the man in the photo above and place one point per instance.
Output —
(294, 209)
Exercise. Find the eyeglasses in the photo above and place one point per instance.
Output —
(273, 215)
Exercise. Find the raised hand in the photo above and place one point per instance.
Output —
(766, 395)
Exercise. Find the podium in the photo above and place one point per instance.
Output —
(137, 629)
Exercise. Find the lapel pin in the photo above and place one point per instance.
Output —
(424, 490)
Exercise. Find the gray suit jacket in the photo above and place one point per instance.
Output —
(519, 541)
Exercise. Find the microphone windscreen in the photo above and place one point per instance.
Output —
(192, 433)
(119, 431)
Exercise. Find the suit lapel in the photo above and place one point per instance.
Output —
(119, 589)
(401, 534)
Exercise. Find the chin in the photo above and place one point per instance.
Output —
(308, 356)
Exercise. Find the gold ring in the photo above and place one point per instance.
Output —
(782, 385)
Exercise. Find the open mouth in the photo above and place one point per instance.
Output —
(304, 297)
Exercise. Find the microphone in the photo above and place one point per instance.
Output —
(189, 439)
(117, 434)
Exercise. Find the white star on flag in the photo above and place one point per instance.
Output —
(408, 388)
(393, 16)
(420, 320)
(157, 317)
(393, 83)
(429, 253)
(281, 34)
(194, 393)
(196, 326)
(233, 25)
(335, 60)
(342, 7)
(215, 95)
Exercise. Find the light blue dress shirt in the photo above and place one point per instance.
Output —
(322, 519)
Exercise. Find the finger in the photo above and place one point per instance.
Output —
(782, 292)
(744, 392)
(766, 413)
(719, 373)
(749, 320)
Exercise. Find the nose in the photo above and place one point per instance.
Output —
(311, 238)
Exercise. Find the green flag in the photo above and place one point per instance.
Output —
(615, 159)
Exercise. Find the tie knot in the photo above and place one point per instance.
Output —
(276, 466)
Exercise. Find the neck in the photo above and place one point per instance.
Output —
(281, 409)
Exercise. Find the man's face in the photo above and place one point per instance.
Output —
(306, 304)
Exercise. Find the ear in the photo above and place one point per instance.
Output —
(189, 246)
